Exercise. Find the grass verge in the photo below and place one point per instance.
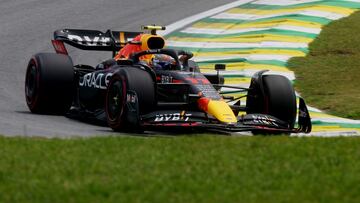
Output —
(182, 169)
(329, 76)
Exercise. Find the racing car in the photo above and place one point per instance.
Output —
(130, 95)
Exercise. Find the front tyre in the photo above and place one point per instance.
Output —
(279, 99)
(115, 101)
(128, 79)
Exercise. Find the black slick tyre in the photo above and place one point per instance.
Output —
(49, 83)
(124, 80)
(279, 99)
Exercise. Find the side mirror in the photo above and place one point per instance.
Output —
(220, 67)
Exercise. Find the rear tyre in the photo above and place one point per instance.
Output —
(49, 83)
(124, 80)
(279, 99)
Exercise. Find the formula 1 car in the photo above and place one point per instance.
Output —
(132, 96)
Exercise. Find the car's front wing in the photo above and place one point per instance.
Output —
(181, 120)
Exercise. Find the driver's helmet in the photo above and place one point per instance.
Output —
(163, 62)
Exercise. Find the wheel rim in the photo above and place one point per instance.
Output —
(115, 100)
(31, 84)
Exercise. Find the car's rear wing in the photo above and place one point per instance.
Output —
(92, 39)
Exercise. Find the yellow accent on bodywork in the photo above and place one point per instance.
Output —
(152, 42)
(221, 110)
(122, 37)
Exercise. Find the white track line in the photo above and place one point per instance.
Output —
(214, 45)
(186, 21)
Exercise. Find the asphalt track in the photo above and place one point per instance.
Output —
(26, 27)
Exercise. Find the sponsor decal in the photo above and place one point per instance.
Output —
(95, 80)
(166, 79)
(264, 120)
(173, 117)
(208, 91)
(90, 41)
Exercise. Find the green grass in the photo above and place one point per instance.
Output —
(329, 77)
(181, 169)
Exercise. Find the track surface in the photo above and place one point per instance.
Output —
(26, 27)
